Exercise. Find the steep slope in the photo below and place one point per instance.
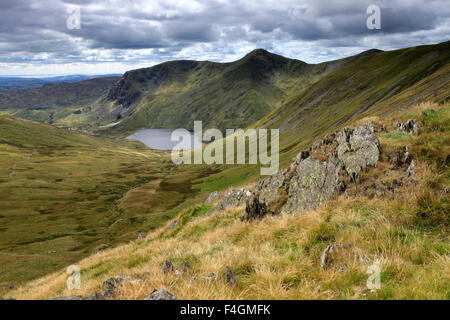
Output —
(52, 102)
(222, 95)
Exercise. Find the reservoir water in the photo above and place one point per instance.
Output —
(160, 139)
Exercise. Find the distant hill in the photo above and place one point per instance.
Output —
(8, 83)
(54, 101)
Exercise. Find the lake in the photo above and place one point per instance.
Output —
(159, 139)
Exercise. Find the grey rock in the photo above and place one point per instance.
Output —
(173, 225)
(167, 267)
(214, 196)
(112, 286)
(314, 183)
(233, 198)
(410, 126)
(311, 180)
(410, 173)
(358, 150)
(162, 294)
(400, 157)
(231, 280)
(141, 236)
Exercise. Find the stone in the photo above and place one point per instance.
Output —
(141, 236)
(112, 286)
(313, 184)
(162, 294)
(230, 277)
(410, 173)
(173, 225)
(400, 157)
(325, 257)
(214, 196)
(233, 198)
(315, 177)
(411, 126)
(357, 150)
(167, 267)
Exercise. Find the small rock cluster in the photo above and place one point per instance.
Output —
(410, 126)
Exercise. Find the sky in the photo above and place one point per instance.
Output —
(48, 37)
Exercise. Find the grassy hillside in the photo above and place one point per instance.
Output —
(52, 102)
(279, 257)
(65, 195)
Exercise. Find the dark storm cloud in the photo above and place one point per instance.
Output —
(35, 30)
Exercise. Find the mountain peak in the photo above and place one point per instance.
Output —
(260, 53)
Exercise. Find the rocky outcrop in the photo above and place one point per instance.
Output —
(214, 196)
(233, 198)
(162, 294)
(410, 126)
(357, 150)
(112, 286)
(316, 175)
